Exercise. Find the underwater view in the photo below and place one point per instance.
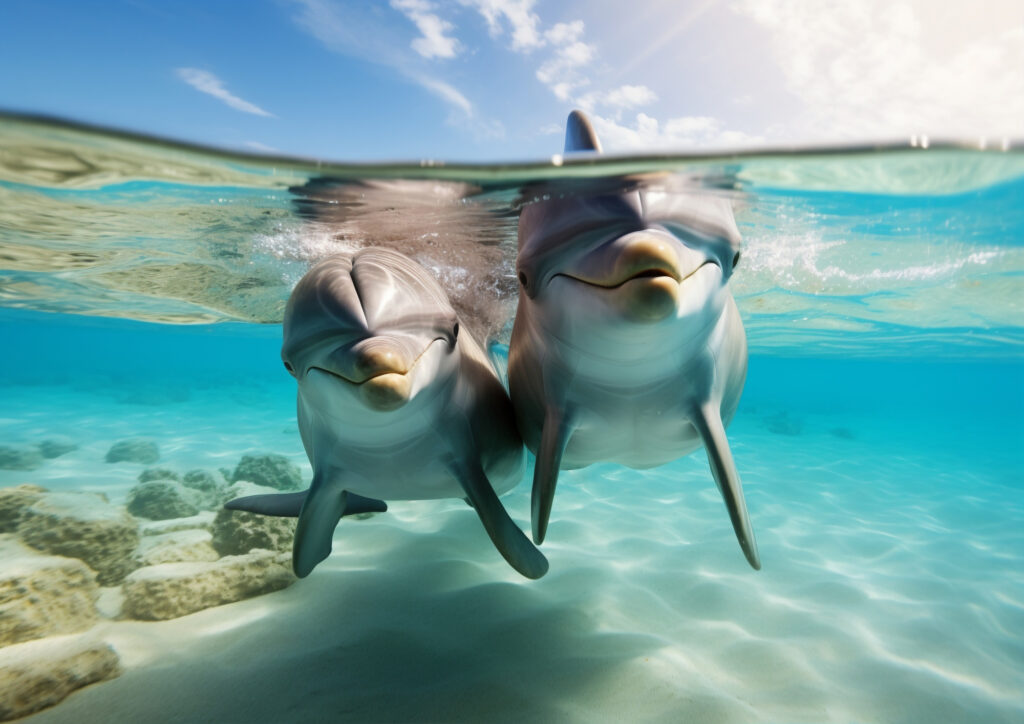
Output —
(879, 438)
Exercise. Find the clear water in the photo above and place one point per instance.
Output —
(880, 440)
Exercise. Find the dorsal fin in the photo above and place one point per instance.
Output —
(579, 134)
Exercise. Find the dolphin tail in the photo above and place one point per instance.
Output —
(289, 505)
(554, 437)
(579, 134)
(708, 421)
(513, 545)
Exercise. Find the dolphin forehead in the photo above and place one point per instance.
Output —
(397, 293)
(350, 297)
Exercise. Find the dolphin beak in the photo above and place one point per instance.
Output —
(634, 256)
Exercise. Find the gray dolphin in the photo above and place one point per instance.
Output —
(394, 402)
(627, 345)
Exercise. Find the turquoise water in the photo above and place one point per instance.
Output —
(880, 440)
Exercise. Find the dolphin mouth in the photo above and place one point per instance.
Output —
(395, 372)
(660, 271)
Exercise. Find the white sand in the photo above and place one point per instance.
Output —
(892, 591)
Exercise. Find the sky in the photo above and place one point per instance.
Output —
(480, 80)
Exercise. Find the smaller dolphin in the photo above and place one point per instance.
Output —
(394, 402)
(627, 345)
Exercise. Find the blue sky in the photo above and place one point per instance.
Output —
(494, 79)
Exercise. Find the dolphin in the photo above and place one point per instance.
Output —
(627, 345)
(395, 403)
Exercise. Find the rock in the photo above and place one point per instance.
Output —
(55, 447)
(162, 499)
(133, 451)
(203, 481)
(236, 532)
(158, 474)
(39, 674)
(210, 488)
(169, 590)
(201, 521)
(83, 526)
(13, 502)
(274, 471)
(43, 595)
(19, 458)
(176, 547)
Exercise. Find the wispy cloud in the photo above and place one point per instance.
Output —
(351, 29)
(206, 82)
(562, 72)
(517, 15)
(433, 42)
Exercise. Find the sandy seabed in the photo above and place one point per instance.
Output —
(892, 587)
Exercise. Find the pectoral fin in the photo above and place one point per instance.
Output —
(553, 439)
(513, 545)
(289, 505)
(708, 421)
(321, 511)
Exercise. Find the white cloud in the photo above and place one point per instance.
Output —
(880, 69)
(562, 72)
(646, 133)
(517, 14)
(624, 97)
(206, 82)
(433, 43)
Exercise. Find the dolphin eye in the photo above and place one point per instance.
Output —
(736, 260)
(455, 332)
(288, 366)
(522, 278)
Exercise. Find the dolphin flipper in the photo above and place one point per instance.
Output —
(323, 508)
(708, 421)
(579, 134)
(289, 505)
(554, 436)
(513, 545)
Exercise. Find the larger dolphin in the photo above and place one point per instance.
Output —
(627, 345)
(394, 403)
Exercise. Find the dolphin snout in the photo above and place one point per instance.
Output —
(640, 254)
(373, 357)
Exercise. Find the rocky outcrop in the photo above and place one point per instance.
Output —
(274, 471)
(169, 590)
(158, 474)
(55, 447)
(176, 547)
(13, 501)
(134, 451)
(43, 595)
(83, 526)
(209, 486)
(19, 458)
(236, 532)
(162, 499)
(39, 674)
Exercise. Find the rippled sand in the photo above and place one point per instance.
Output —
(892, 588)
